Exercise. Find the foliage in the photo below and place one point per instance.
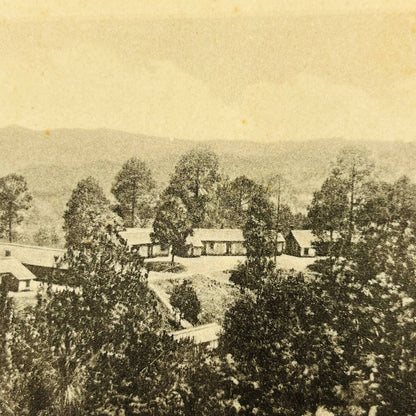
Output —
(46, 236)
(234, 200)
(133, 188)
(172, 225)
(354, 168)
(87, 215)
(185, 299)
(374, 285)
(195, 181)
(329, 207)
(259, 235)
(14, 198)
(165, 266)
(288, 353)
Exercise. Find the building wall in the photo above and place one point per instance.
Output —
(308, 252)
(238, 249)
(280, 247)
(215, 248)
(194, 251)
(158, 251)
(142, 250)
(24, 285)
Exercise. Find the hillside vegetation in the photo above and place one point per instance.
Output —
(54, 161)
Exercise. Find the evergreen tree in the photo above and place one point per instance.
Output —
(172, 225)
(14, 198)
(260, 242)
(195, 182)
(185, 299)
(234, 200)
(87, 215)
(133, 189)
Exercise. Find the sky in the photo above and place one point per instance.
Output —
(232, 70)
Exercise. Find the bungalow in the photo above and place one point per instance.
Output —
(206, 335)
(216, 242)
(300, 243)
(138, 239)
(222, 242)
(16, 276)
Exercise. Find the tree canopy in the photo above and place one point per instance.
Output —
(172, 225)
(133, 188)
(87, 215)
(14, 198)
(195, 181)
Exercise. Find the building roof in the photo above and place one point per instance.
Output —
(137, 236)
(304, 238)
(10, 265)
(141, 236)
(219, 234)
(33, 255)
(199, 334)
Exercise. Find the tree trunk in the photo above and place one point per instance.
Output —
(351, 216)
(133, 206)
(173, 258)
(10, 225)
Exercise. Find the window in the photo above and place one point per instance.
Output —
(211, 246)
(306, 251)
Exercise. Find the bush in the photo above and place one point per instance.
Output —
(185, 299)
(165, 266)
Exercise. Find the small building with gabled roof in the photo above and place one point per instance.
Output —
(139, 240)
(300, 243)
(219, 241)
(16, 276)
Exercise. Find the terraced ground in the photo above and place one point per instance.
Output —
(215, 296)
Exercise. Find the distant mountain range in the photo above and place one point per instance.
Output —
(54, 161)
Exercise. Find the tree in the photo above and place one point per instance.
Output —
(104, 349)
(172, 225)
(234, 199)
(354, 168)
(45, 236)
(185, 299)
(328, 210)
(287, 353)
(260, 242)
(87, 215)
(373, 287)
(14, 198)
(194, 181)
(133, 188)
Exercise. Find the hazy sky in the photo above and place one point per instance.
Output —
(225, 70)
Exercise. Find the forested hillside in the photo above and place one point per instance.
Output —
(54, 161)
